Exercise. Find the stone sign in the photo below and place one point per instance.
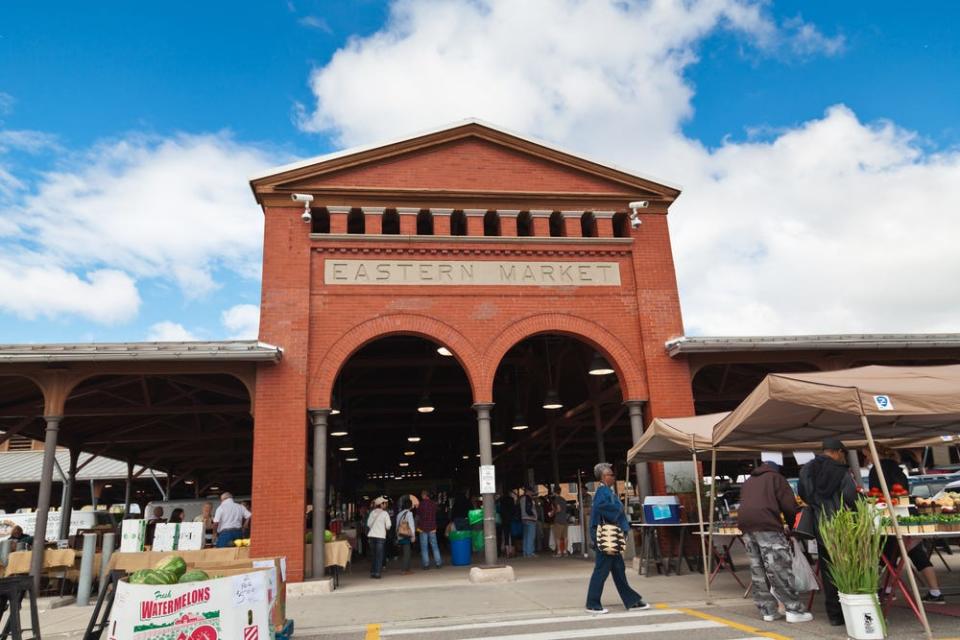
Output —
(470, 272)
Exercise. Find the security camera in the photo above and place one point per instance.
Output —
(635, 222)
(306, 199)
(639, 204)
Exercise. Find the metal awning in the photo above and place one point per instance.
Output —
(228, 350)
(23, 467)
(841, 342)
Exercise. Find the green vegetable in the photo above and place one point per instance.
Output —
(168, 577)
(327, 535)
(137, 577)
(174, 564)
(194, 575)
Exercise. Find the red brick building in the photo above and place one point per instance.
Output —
(475, 239)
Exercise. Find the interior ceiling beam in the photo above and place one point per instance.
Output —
(15, 429)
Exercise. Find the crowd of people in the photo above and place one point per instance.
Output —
(524, 521)
(229, 522)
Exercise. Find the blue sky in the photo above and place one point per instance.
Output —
(103, 104)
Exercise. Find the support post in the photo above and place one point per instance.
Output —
(66, 506)
(43, 498)
(598, 431)
(486, 458)
(635, 407)
(128, 492)
(713, 504)
(318, 418)
(85, 583)
(703, 538)
(896, 527)
(554, 455)
(106, 552)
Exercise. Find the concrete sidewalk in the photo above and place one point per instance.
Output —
(544, 587)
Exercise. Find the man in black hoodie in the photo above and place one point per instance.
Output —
(827, 484)
(766, 500)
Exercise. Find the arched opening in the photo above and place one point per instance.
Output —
(524, 224)
(588, 225)
(458, 223)
(491, 223)
(424, 223)
(319, 220)
(621, 225)
(390, 224)
(356, 221)
(588, 421)
(557, 229)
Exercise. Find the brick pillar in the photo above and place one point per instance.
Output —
(541, 223)
(338, 219)
(280, 408)
(571, 223)
(508, 222)
(408, 222)
(441, 221)
(475, 221)
(373, 220)
(604, 223)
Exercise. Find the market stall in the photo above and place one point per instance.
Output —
(875, 401)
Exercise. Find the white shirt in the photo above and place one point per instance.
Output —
(230, 515)
(378, 522)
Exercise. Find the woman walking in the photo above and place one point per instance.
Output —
(378, 523)
(406, 534)
(608, 510)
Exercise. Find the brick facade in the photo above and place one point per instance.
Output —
(474, 169)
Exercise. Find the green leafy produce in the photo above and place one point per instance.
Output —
(194, 575)
(174, 564)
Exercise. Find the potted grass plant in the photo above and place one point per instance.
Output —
(854, 540)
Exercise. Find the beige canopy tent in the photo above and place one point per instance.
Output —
(876, 401)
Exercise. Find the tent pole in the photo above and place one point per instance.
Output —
(703, 540)
(713, 501)
(896, 527)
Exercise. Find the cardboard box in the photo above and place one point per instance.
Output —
(186, 536)
(228, 608)
(132, 535)
(277, 580)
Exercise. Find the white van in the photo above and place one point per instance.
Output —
(191, 508)
(78, 520)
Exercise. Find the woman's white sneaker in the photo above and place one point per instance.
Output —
(598, 611)
(792, 616)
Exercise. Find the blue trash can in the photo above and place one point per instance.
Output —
(460, 551)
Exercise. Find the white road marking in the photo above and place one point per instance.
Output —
(528, 621)
(660, 627)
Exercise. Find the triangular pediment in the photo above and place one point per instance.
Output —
(467, 158)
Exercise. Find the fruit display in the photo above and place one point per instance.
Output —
(242, 542)
(170, 570)
(194, 575)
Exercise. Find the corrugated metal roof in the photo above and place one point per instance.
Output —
(236, 350)
(717, 344)
(23, 467)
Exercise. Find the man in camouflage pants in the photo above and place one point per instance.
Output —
(766, 500)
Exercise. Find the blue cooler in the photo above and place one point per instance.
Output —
(661, 510)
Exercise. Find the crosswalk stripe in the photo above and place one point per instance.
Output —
(527, 621)
(572, 634)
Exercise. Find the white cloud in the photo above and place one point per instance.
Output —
(831, 225)
(242, 321)
(175, 209)
(168, 331)
(105, 296)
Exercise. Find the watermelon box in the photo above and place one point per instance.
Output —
(276, 577)
(226, 608)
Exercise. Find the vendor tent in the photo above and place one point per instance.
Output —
(875, 401)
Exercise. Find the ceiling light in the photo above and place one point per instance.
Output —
(339, 432)
(409, 453)
(414, 436)
(19, 490)
(347, 446)
(520, 422)
(352, 459)
(188, 482)
(552, 400)
(466, 457)
(107, 486)
(444, 351)
(214, 488)
(425, 406)
(599, 366)
(498, 440)
(404, 464)
(335, 406)
(477, 456)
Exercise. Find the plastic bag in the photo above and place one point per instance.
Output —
(803, 576)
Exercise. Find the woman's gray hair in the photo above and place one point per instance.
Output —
(599, 468)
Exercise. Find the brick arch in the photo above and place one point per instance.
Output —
(320, 387)
(633, 384)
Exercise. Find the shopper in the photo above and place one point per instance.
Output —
(406, 534)
(176, 516)
(427, 514)
(607, 509)
(506, 509)
(528, 515)
(826, 485)
(206, 518)
(378, 523)
(561, 518)
(229, 520)
(893, 473)
(765, 498)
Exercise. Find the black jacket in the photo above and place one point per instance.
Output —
(764, 496)
(827, 484)
(892, 472)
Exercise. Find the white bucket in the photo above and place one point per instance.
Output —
(863, 616)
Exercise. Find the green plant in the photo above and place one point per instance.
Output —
(854, 543)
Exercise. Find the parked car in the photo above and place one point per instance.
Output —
(79, 520)
(191, 508)
(929, 485)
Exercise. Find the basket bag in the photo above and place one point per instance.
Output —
(610, 539)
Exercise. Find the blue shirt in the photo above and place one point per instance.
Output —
(607, 509)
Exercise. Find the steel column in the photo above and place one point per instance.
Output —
(66, 506)
(318, 418)
(43, 498)
(128, 493)
(486, 458)
(635, 407)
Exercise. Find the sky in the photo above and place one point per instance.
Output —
(817, 145)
